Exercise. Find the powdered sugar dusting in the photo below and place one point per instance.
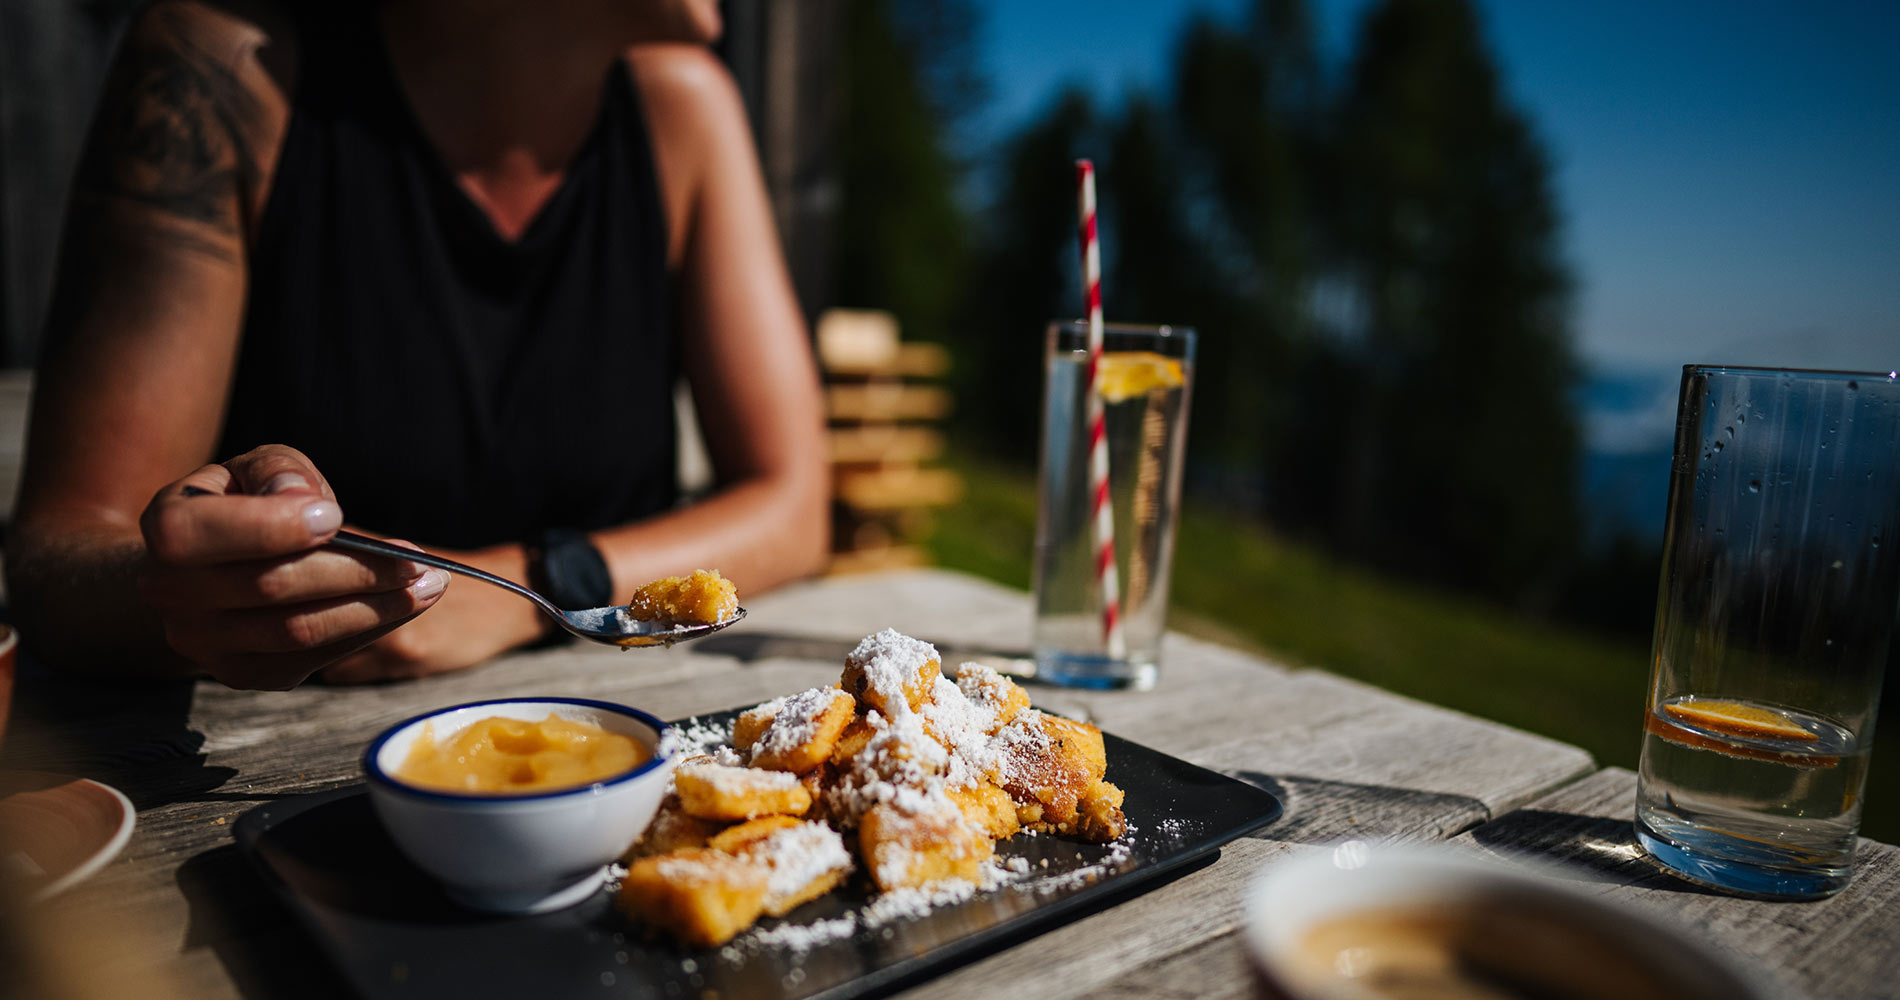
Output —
(705, 866)
(889, 663)
(916, 757)
(909, 904)
(1023, 740)
(984, 687)
(1119, 852)
(692, 737)
(795, 720)
(805, 937)
(963, 727)
(901, 766)
(729, 780)
(798, 856)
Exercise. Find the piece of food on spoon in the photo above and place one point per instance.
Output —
(704, 598)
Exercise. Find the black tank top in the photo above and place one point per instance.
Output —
(457, 388)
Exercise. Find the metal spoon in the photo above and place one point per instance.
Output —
(609, 625)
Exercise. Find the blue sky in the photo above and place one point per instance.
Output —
(1729, 172)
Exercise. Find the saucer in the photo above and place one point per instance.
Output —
(56, 831)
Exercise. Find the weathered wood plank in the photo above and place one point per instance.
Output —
(1109, 950)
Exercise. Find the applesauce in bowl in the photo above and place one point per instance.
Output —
(567, 798)
(499, 755)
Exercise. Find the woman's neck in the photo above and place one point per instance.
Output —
(506, 91)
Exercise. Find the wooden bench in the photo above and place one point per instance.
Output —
(881, 411)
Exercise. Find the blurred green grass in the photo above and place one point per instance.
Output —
(1238, 583)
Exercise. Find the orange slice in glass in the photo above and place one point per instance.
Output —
(1130, 374)
(1734, 718)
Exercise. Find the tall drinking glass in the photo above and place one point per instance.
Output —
(1780, 582)
(1147, 373)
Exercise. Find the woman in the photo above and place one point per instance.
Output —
(428, 267)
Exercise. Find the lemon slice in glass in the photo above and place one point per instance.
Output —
(1736, 718)
(1130, 374)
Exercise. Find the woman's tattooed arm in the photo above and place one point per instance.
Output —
(173, 153)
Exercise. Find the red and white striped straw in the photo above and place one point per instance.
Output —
(1105, 573)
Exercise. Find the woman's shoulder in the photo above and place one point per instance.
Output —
(683, 77)
(232, 36)
(221, 70)
(702, 140)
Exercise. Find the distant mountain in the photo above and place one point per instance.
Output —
(1629, 421)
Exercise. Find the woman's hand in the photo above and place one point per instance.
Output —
(472, 623)
(243, 588)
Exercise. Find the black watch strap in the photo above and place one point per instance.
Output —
(566, 568)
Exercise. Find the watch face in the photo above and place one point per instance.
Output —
(571, 571)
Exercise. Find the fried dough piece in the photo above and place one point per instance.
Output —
(1099, 813)
(719, 792)
(700, 896)
(1048, 763)
(751, 724)
(890, 668)
(963, 728)
(817, 781)
(899, 758)
(905, 850)
(900, 750)
(737, 838)
(1080, 743)
(704, 597)
(852, 741)
(989, 809)
(991, 692)
(803, 860)
(803, 731)
(673, 829)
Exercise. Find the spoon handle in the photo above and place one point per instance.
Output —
(364, 543)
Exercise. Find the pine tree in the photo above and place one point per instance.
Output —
(1460, 448)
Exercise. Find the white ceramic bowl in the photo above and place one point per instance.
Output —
(1354, 877)
(527, 853)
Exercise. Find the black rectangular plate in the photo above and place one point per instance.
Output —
(392, 933)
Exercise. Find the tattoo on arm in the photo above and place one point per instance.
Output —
(174, 136)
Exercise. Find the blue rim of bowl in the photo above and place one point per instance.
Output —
(374, 771)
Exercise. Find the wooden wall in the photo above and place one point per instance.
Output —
(53, 54)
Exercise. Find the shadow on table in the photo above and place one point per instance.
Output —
(255, 937)
(1322, 811)
(131, 733)
(1597, 848)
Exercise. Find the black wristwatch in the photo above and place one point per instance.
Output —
(566, 568)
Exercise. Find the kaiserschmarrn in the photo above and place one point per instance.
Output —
(897, 771)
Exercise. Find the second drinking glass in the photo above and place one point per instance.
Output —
(1147, 373)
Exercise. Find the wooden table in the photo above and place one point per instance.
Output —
(1347, 760)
